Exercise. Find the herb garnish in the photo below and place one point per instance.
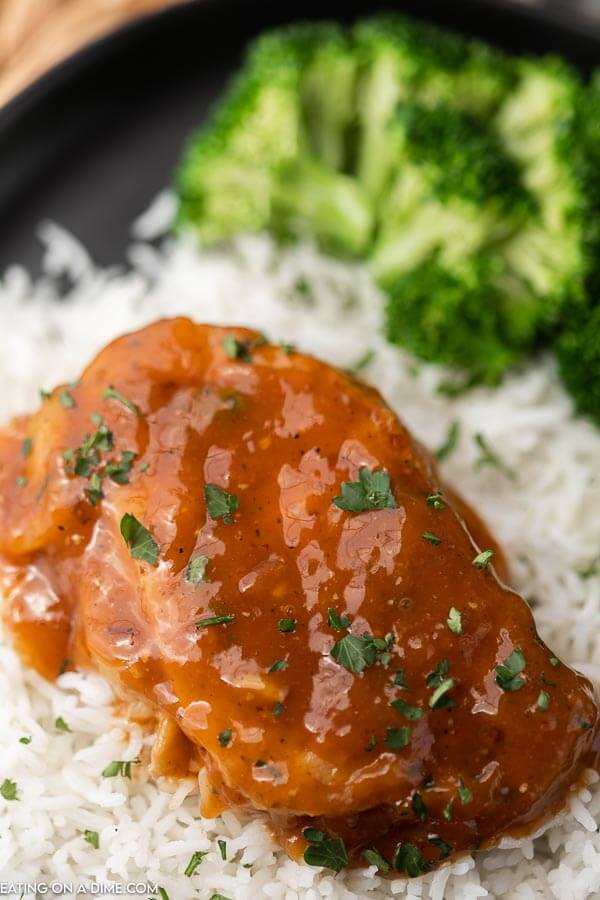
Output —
(508, 675)
(119, 471)
(66, 400)
(236, 349)
(219, 503)
(94, 491)
(489, 457)
(93, 838)
(25, 740)
(8, 789)
(431, 538)
(554, 661)
(412, 713)
(224, 737)
(139, 540)
(196, 859)
(21, 481)
(454, 620)
(278, 666)
(482, 559)
(435, 501)
(418, 806)
(409, 859)
(223, 850)
(449, 445)
(465, 793)
(227, 619)
(324, 851)
(442, 684)
(543, 700)
(361, 364)
(61, 725)
(374, 858)
(447, 811)
(397, 738)
(444, 848)
(355, 652)
(27, 447)
(371, 491)
(111, 394)
(278, 709)
(400, 679)
(286, 626)
(335, 620)
(196, 569)
(119, 767)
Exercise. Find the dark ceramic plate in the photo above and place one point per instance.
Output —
(94, 140)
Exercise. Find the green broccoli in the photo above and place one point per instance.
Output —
(402, 60)
(275, 152)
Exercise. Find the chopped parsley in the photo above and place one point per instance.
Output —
(144, 467)
(554, 661)
(454, 620)
(119, 471)
(412, 713)
(371, 491)
(449, 445)
(418, 806)
(8, 789)
(409, 859)
(219, 503)
(195, 860)
(286, 626)
(374, 858)
(372, 744)
(444, 848)
(196, 569)
(465, 793)
(94, 491)
(397, 738)
(447, 811)
(21, 481)
(431, 538)
(278, 709)
(236, 349)
(224, 737)
(543, 700)
(508, 675)
(324, 851)
(25, 740)
(441, 684)
(435, 501)
(66, 400)
(162, 893)
(139, 540)
(61, 725)
(400, 679)
(119, 767)
(278, 666)
(227, 619)
(93, 838)
(335, 620)
(364, 362)
(27, 447)
(111, 394)
(223, 850)
(482, 559)
(489, 457)
(45, 395)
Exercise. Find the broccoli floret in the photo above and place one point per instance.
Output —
(274, 154)
(454, 316)
(455, 191)
(403, 60)
(226, 178)
(538, 124)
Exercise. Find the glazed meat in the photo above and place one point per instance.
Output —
(250, 541)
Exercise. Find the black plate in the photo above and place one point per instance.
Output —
(93, 141)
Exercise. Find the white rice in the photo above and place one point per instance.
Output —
(547, 518)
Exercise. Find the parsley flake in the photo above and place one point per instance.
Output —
(21, 481)
(119, 767)
(412, 713)
(236, 349)
(409, 859)
(444, 848)
(465, 793)
(371, 491)
(227, 619)
(335, 620)
(418, 806)
(66, 400)
(508, 675)
(278, 709)
(119, 471)
(224, 737)
(196, 859)
(324, 851)
(286, 626)
(435, 501)
(397, 738)
(219, 503)
(278, 666)
(8, 789)
(111, 394)
(25, 740)
(439, 699)
(543, 700)
(400, 679)
(139, 540)
(27, 447)
(431, 538)
(454, 620)
(196, 569)
(61, 725)
(93, 838)
(223, 850)
(355, 653)
(374, 858)
(482, 560)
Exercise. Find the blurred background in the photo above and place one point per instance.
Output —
(35, 34)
